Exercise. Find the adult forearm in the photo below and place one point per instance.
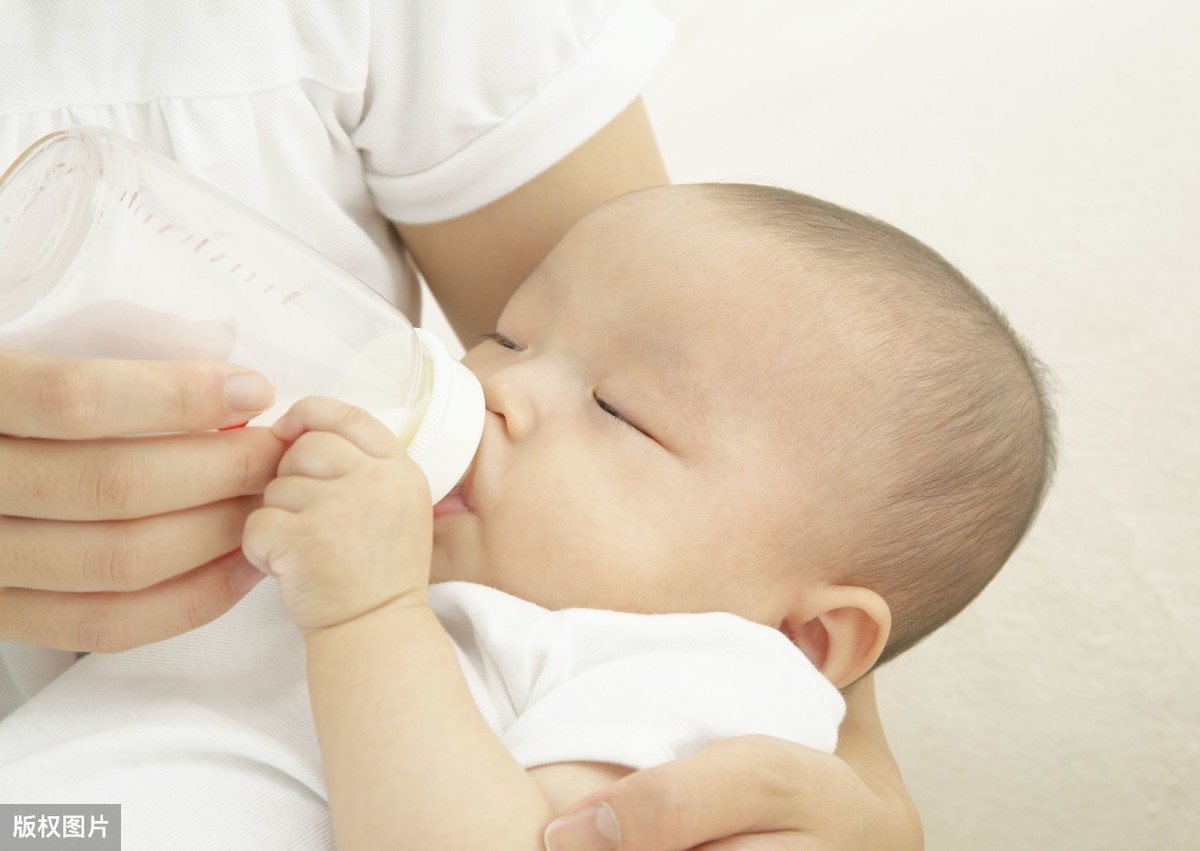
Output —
(862, 743)
(474, 262)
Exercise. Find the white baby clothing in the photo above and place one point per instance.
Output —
(207, 739)
(638, 690)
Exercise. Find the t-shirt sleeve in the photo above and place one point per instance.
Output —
(636, 690)
(466, 101)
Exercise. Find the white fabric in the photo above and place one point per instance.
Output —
(207, 739)
(328, 117)
(585, 685)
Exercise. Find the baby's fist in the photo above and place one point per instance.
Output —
(346, 526)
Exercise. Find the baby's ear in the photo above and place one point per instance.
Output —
(842, 629)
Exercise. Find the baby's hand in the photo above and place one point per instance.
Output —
(346, 526)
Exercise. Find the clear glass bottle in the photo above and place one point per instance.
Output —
(108, 249)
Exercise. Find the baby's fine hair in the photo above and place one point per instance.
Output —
(958, 439)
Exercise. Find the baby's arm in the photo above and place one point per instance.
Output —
(409, 761)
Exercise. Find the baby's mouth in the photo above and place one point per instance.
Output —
(455, 502)
(451, 503)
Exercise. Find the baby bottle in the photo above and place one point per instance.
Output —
(108, 249)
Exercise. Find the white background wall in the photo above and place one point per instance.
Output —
(1051, 149)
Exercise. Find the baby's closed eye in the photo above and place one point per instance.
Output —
(616, 414)
(497, 337)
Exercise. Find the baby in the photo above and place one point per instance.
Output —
(721, 399)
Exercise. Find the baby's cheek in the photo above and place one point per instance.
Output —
(456, 553)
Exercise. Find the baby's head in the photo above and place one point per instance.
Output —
(736, 398)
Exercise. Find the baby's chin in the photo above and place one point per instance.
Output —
(454, 560)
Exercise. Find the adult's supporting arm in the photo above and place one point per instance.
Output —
(755, 793)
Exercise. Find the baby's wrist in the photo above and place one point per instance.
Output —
(412, 599)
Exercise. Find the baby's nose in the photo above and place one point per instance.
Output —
(508, 407)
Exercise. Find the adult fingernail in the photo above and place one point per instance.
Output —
(592, 828)
(248, 392)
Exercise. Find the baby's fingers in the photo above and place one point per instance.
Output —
(296, 494)
(321, 455)
(267, 538)
(318, 413)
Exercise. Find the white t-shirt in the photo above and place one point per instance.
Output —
(328, 117)
(207, 739)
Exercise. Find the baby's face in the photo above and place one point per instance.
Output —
(636, 454)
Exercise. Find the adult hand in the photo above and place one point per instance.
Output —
(757, 794)
(109, 542)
